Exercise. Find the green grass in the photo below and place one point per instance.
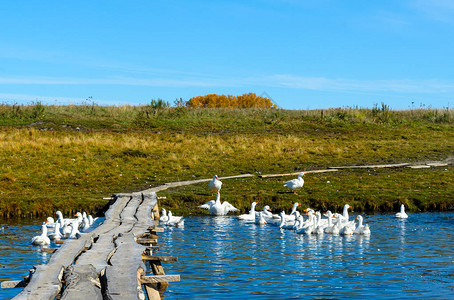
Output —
(69, 157)
(370, 190)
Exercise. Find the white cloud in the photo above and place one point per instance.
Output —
(349, 85)
(278, 80)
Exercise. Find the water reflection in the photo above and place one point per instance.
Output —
(223, 258)
(250, 261)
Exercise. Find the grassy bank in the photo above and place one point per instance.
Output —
(69, 157)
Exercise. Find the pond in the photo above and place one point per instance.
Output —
(224, 258)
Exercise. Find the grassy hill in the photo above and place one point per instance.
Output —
(69, 157)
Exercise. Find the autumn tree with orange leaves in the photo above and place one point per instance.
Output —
(250, 100)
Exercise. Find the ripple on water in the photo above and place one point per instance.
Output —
(221, 257)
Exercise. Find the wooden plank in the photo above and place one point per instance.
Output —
(156, 229)
(45, 283)
(147, 241)
(183, 183)
(98, 254)
(11, 284)
(152, 291)
(157, 269)
(297, 173)
(419, 167)
(159, 278)
(143, 215)
(125, 269)
(159, 258)
(372, 166)
(437, 164)
(48, 250)
(82, 283)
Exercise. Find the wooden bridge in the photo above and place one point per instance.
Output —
(108, 262)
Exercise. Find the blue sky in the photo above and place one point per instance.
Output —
(303, 54)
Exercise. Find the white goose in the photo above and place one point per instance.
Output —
(61, 220)
(267, 212)
(56, 235)
(291, 216)
(215, 208)
(291, 224)
(175, 221)
(295, 184)
(251, 215)
(307, 227)
(75, 233)
(362, 229)
(215, 184)
(259, 219)
(42, 239)
(50, 223)
(85, 224)
(331, 228)
(402, 214)
(163, 217)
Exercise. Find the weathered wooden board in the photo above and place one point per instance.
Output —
(126, 266)
(296, 173)
(156, 229)
(159, 258)
(13, 284)
(419, 167)
(160, 278)
(372, 166)
(98, 254)
(45, 283)
(183, 183)
(143, 215)
(81, 283)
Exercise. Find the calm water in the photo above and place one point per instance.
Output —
(223, 258)
(17, 254)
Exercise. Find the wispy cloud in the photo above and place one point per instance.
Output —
(155, 82)
(438, 10)
(350, 85)
(278, 80)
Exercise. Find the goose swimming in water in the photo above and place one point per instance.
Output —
(216, 208)
(163, 217)
(402, 214)
(259, 219)
(251, 215)
(56, 235)
(42, 239)
(362, 229)
(175, 221)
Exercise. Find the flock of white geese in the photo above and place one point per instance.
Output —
(315, 223)
(63, 228)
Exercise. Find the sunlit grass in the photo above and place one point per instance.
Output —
(69, 157)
